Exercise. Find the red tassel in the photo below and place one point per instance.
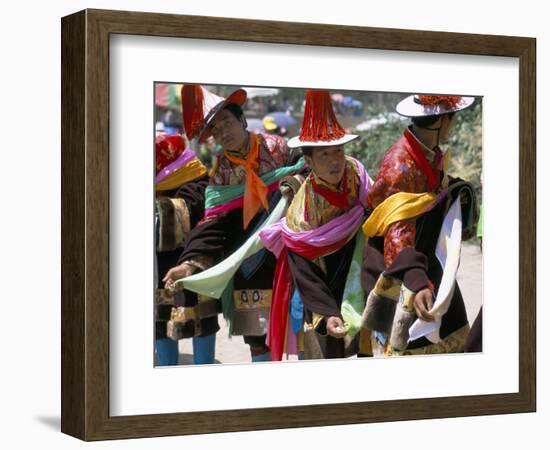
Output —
(320, 123)
(192, 108)
(451, 101)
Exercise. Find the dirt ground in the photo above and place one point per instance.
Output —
(470, 276)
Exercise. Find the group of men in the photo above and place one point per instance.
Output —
(299, 249)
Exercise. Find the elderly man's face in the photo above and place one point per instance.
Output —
(229, 131)
(328, 163)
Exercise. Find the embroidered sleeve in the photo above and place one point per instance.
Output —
(277, 148)
(399, 236)
(398, 173)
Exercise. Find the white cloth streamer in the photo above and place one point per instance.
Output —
(213, 281)
(448, 253)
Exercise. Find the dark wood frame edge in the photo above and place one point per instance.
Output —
(85, 224)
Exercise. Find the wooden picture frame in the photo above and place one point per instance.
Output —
(85, 224)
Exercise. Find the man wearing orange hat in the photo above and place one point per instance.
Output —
(244, 187)
(317, 291)
(420, 215)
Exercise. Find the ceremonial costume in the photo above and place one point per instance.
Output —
(243, 190)
(319, 253)
(419, 217)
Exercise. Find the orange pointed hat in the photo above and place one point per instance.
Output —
(196, 104)
(320, 127)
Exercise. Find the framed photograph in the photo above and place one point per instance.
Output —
(123, 75)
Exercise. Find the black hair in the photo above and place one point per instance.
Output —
(427, 121)
(308, 151)
(236, 110)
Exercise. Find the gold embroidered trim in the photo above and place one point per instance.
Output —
(388, 287)
(252, 298)
(163, 297)
(182, 221)
(454, 343)
(183, 314)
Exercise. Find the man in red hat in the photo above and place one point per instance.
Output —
(244, 187)
(317, 290)
(412, 255)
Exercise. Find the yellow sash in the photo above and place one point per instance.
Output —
(192, 170)
(399, 206)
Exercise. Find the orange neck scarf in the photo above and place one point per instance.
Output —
(255, 191)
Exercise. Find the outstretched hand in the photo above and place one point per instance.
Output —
(175, 273)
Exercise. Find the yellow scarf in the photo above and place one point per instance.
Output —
(397, 207)
(192, 170)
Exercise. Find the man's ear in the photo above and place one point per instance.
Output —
(308, 160)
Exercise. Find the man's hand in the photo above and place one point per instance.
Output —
(175, 273)
(287, 192)
(335, 327)
(423, 302)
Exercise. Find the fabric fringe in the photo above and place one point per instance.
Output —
(320, 123)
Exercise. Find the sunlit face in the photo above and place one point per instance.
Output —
(328, 163)
(447, 125)
(229, 131)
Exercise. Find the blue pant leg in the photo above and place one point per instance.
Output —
(204, 349)
(167, 352)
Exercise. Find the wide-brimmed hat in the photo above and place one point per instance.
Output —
(196, 104)
(237, 97)
(432, 105)
(320, 127)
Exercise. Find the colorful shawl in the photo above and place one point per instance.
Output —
(213, 281)
(225, 198)
(311, 244)
(184, 169)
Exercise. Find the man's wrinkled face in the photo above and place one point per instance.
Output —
(229, 131)
(328, 163)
